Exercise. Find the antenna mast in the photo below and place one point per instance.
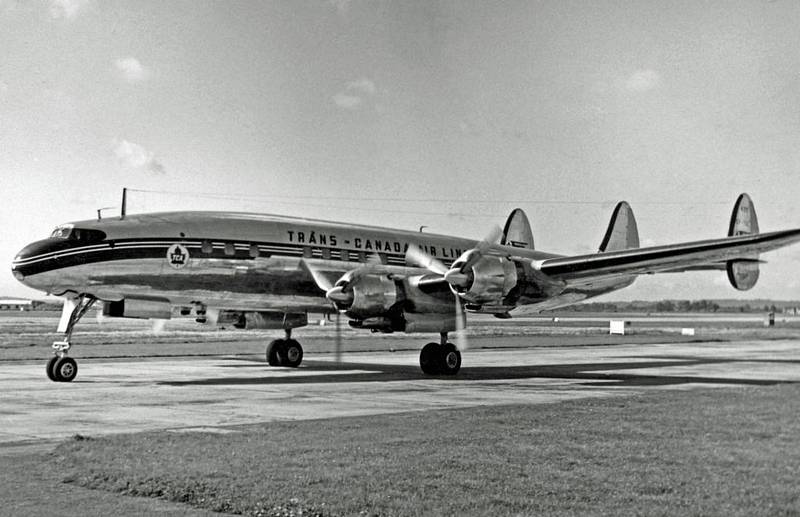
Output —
(124, 203)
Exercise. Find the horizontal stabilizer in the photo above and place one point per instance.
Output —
(672, 257)
(517, 231)
(622, 232)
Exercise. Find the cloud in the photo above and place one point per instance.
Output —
(346, 101)
(131, 69)
(362, 85)
(643, 80)
(355, 93)
(135, 156)
(3, 87)
(66, 9)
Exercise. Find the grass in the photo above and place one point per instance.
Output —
(729, 451)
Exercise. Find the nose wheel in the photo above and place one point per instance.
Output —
(62, 369)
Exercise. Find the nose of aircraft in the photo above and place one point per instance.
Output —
(25, 264)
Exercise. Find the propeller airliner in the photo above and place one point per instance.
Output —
(269, 272)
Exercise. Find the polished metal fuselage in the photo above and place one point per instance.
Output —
(238, 261)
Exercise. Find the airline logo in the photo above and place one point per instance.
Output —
(177, 256)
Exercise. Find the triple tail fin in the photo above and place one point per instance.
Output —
(622, 232)
(743, 274)
(517, 231)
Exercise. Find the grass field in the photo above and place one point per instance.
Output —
(731, 451)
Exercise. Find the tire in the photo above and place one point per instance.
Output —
(51, 372)
(65, 369)
(450, 359)
(429, 359)
(275, 354)
(292, 353)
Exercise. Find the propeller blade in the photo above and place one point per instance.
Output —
(415, 255)
(158, 326)
(321, 280)
(338, 342)
(484, 247)
(460, 332)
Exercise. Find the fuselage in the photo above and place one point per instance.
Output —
(237, 261)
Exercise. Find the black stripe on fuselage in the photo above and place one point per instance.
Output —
(80, 253)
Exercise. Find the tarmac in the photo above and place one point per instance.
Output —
(188, 394)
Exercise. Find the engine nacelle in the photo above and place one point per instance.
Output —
(263, 319)
(141, 308)
(432, 322)
(369, 295)
(489, 279)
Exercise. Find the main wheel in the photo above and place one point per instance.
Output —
(450, 359)
(293, 353)
(65, 369)
(429, 359)
(51, 371)
(276, 352)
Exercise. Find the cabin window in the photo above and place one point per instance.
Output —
(206, 247)
(254, 252)
(230, 249)
(362, 257)
(345, 255)
(383, 258)
(307, 252)
(326, 253)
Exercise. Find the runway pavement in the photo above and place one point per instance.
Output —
(217, 393)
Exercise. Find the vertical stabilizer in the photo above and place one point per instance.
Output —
(743, 218)
(743, 274)
(517, 231)
(622, 233)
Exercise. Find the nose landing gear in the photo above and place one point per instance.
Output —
(61, 368)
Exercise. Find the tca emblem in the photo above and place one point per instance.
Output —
(177, 256)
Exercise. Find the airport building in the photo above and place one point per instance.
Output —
(12, 304)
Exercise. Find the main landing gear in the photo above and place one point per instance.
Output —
(285, 352)
(61, 368)
(440, 358)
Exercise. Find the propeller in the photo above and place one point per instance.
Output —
(458, 277)
(487, 246)
(460, 335)
(337, 352)
(415, 255)
(341, 293)
(337, 294)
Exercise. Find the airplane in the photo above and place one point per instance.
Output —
(269, 271)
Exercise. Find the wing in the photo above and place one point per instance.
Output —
(659, 259)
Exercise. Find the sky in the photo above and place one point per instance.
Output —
(447, 114)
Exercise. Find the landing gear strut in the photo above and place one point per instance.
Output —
(285, 352)
(440, 358)
(61, 368)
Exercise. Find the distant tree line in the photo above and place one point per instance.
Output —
(670, 306)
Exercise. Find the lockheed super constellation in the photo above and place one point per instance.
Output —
(268, 271)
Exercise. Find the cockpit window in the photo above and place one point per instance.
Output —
(61, 232)
(77, 234)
